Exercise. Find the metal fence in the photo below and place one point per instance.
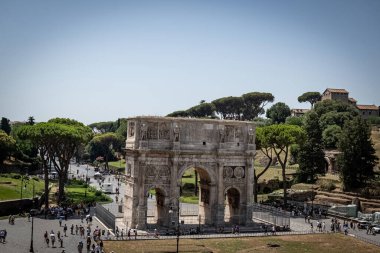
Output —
(105, 216)
(271, 215)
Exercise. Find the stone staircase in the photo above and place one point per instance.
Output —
(336, 197)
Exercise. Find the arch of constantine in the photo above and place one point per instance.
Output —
(160, 149)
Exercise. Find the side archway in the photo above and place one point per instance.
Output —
(233, 207)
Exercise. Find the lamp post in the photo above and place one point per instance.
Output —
(32, 214)
(178, 232)
(85, 191)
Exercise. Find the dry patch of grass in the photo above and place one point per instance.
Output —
(336, 243)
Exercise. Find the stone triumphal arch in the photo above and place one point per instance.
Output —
(160, 149)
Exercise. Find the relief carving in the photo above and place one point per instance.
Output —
(239, 172)
(176, 133)
(153, 131)
(234, 174)
(143, 131)
(157, 174)
(164, 132)
(131, 129)
(250, 135)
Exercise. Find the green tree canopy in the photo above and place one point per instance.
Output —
(311, 97)
(104, 127)
(31, 121)
(181, 113)
(326, 106)
(104, 145)
(5, 125)
(335, 118)
(262, 143)
(229, 107)
(311, 155)
(280, 137)
(7, 145)
(254, 103)
(331, 135)
(358, 159)
(297, 121)
(203, 110)
(58, 139)
(278, 112)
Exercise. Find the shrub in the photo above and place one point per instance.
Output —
(188, 187)
(16, 176)
(327, 186)
(98, 193)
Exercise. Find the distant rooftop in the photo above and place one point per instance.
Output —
(333, 90)
(367, 107)
(353, 100)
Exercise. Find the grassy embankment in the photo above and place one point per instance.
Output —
(10, 187)
(76, 192)
(317, 243)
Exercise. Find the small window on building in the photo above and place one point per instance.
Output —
(369, 112)
(204, 143)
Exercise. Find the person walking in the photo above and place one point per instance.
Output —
(76, 229)
(52, 238)
(72, 229)
(80, 247)
(60, 221)
(65, 229)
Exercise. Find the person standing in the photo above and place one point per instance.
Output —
(80, 247)
(65, 229)
(60, 221)
(52, 238)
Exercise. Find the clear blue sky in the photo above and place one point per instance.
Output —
(102, 60)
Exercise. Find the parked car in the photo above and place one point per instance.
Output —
(98, 175)
(107, 187)
(363, 224)
(376, 229)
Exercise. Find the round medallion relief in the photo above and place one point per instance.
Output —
(228, 172)
(239, 172)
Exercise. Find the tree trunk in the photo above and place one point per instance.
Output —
(61, 187)
(284, 185)
(46, 177)
(255, 187)
(196, 183)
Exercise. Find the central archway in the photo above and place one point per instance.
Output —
(195, 192)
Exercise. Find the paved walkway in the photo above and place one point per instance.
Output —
(19, 235)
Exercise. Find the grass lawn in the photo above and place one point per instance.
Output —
(272, 173)
(10, 188)
(118, 164)
(336, 243)
(77, 194)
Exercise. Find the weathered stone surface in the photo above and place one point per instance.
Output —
(160, 149)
